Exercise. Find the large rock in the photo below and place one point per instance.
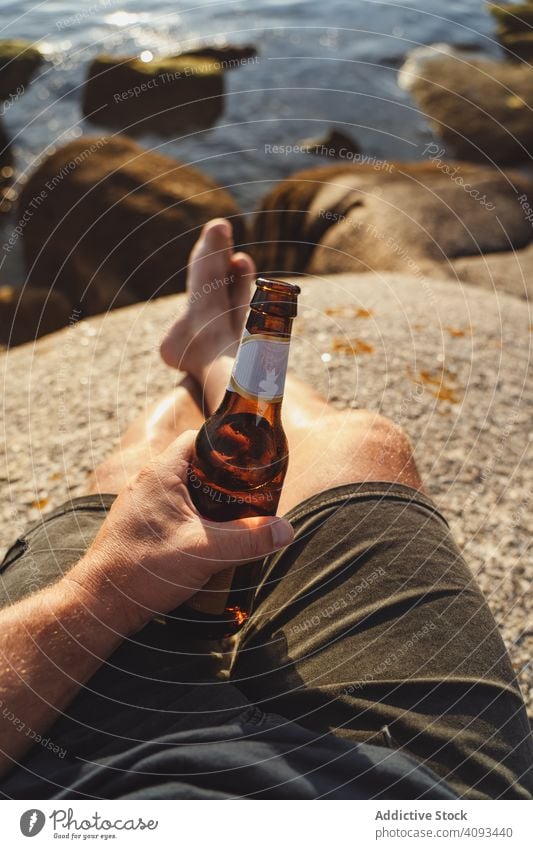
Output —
(335, 144)
(409, 217)
(166, 96)
(450, 364)
(511, 271)
(27, 314)
(481, 109)
(109, 223)
(18, 62)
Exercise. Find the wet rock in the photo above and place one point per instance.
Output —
(515, 22)
(481, 109)
(165, 96)
(18, 62)
(334, 144)
(108, 223)
(518, 45)
(27, 314)
(229, 56)
(513, 17)
(6, 154)
(409, 217)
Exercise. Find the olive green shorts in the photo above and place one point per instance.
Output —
(369, 625)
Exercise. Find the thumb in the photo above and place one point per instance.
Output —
(252, 538)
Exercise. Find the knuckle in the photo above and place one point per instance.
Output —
(147, 477)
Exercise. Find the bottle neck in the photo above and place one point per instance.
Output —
(262, 322)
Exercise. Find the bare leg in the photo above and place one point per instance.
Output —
(328, 447)
(148, 435)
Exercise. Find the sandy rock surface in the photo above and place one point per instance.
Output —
(447, 362)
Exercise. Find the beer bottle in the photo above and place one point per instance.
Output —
(241, 452)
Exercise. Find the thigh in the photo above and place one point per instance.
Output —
(371, 626)
(51, 546)
(337, 447)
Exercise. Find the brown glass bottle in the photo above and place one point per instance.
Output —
(241, 454)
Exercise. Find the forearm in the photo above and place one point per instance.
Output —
(50, 645)
(152, 553)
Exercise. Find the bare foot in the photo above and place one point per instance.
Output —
(218, 289)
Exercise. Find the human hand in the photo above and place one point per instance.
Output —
(154, 550)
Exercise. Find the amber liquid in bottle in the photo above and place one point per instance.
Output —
(241, 454)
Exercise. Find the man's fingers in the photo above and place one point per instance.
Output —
(271, 533)
(180, 451)
(252, 538)
(241, 540)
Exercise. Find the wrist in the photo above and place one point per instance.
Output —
(90, 582)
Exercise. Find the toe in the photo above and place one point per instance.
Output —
(211, 255)
(168, 348)
(244, 273)
(217, 225)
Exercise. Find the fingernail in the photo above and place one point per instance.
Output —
(224, 225)
(282, 533)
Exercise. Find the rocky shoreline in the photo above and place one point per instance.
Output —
(104, 222)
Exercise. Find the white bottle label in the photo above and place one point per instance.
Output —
(260, 368)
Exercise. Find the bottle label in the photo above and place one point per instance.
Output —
(260, 368)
